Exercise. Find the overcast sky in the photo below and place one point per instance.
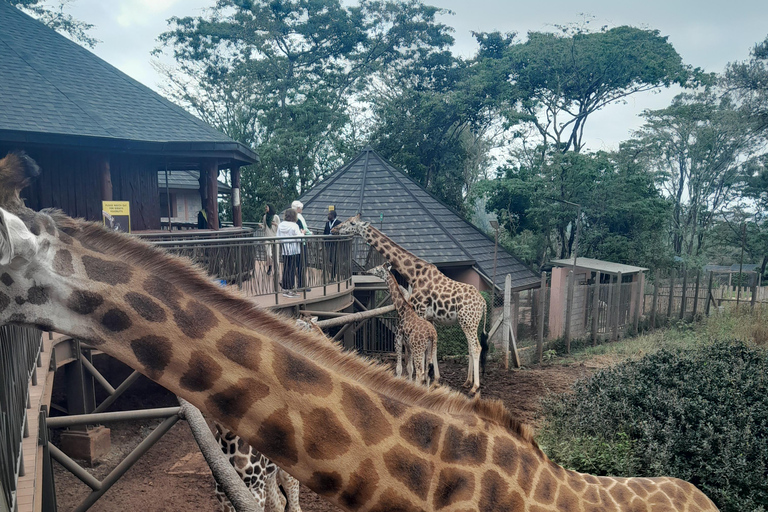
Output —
(706, 33)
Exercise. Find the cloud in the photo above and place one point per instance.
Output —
(142, 12)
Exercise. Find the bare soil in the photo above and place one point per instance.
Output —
(172, 475)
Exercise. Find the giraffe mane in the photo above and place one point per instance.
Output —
(189, 278)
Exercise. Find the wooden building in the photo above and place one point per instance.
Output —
(97, 134)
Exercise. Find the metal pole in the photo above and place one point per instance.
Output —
(168, 198)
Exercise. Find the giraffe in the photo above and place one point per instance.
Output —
(262, 476)
(419, 336)
(344, 426)
(434, 296)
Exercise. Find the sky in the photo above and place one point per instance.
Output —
(706, 33)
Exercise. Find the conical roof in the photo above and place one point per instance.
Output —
(412, 217)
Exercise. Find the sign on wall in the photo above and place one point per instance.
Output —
(116, 215)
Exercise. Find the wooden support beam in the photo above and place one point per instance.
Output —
(237, 208)
(354, 317)
(212, 200)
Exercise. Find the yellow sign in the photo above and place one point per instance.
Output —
(331, 208)
(116, 215)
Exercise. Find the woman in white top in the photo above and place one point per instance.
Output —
(291, 251)
(270, 221)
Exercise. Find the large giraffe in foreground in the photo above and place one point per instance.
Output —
(434, 296)
(345, 427)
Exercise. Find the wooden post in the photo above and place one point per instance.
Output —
(106, 178)
(542, 307)
(595, 308)
(237, 209)
(617, 316)
(754, 293)
(569, 310)
(696, 294)
(683, 294)
(671, 294)
(655, 301)
(710, 298)
(640, 282)
(515, 314)
(507, 324)
(212, 200)
(609, 309)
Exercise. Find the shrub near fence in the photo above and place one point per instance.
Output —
(19, 351)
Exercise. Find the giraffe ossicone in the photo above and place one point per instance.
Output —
(342, 425)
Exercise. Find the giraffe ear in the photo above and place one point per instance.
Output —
(16, 241)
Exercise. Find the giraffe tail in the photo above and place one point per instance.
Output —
(483, 352)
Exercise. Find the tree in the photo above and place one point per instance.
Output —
(558, 80)
(749, 83)
(699, 146)
(281, 76)
(57, 19)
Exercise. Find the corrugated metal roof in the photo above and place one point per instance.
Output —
(411, 216)
(606, 267)
(51, 87)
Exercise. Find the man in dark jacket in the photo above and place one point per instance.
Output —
(331, 248)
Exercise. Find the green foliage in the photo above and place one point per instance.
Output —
(700, 415)
(57, 19)
(749, 82)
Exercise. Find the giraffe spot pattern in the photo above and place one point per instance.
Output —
(62, 263)
(20, 300)
(44, 324)
(105, 271)
(495, 494)
(162, 290)
(453, 485)
(325, 483)
(147, 308)
(242, 349)
(232, 403)
(413, 471)
(546, 487)
(362, 485)
(505, 455)
(300, 374)
(394, 407)
(154, 353)
(17, 318)
(6, 279)
(362, 412)
(528, 466)
(116, 320)
(277, 439)
(4, 301)
(196, 320)
(391, 501)
(464, 449)
(84, 302)
(568, 500)
(202, 373)
(422, 430)
(65, 238)
(324, 436)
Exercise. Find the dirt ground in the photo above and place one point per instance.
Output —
(174, 476)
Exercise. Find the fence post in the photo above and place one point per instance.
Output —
(754, 293)
(639, 295)
(506, 323)
(609, 309)
(710, 298)
(542, 307)
(616, 316)
(595, 307)
(655, 301)
(683, 294)
(696, 294)
(568, 311)
(671, 294)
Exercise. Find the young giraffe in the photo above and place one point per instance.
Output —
(348, 429)
(435, 296)
(418, 335)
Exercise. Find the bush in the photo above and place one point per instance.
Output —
(699, 415)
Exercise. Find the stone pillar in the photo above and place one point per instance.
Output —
(237, 209)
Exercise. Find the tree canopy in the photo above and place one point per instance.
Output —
(58, 19)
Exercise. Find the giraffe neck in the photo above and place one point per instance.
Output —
(405, 262)
(398, 300)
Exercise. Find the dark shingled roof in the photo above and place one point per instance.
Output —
(413, 218)
(54, 91)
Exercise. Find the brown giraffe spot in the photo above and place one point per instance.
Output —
(362, 485)
(391, 501)
(453, 485)
(277, 439)
(363, 413)
(325, 483)
(4, 301)
(18, 318)
(505, 454)
(20, 300)
(575, 481)
(154, 353)
(49, 225)
(465, 449)
(422, 430)
(674, 492)
(231, 404)
(591, 495)
(242, 349)
(37, 295)
(116, 320)
(202, 373)
(411, 470)
(105, 271)
(163, 291)
(6, 279)
(638, 489)
(546, 487)
(567, 500)
(300, 374)
(621, 493)
(62, 263)
(195, 320)
(84, 302)
(394, 407)
(147, 308)
(496, 496)
(528, 466)
(324, 436)
(65, 238)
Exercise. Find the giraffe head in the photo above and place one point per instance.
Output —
(382, 271)
(352, 226)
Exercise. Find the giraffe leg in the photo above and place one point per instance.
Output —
(434, 362)
(470, 369)
(474, 349)
(291, 486)
(399, 351)
(409, 358)
(275, 501)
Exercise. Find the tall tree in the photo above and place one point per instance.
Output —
(59, 20)
(280, 75)
(749, 82)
